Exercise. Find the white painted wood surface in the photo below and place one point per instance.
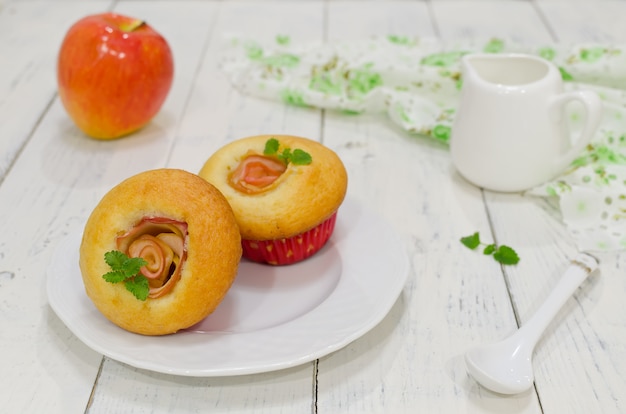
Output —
(51, 177)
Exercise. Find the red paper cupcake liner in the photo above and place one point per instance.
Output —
(290, 250)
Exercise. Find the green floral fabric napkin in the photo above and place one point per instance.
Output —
(417, 81)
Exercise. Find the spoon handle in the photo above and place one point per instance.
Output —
(575, 274)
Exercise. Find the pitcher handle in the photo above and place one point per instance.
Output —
(593, 116)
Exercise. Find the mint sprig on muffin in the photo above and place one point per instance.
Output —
(128, 270)
(297, 156)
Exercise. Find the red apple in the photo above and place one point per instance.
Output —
(114, 73)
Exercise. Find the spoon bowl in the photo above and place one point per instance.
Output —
(506, 366)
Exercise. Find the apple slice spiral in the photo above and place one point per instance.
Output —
(161, 243)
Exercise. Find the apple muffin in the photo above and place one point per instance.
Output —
(284, 191)
(159, 252)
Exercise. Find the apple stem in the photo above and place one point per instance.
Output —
(132, 26)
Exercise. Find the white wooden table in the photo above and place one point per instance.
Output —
(51, 177)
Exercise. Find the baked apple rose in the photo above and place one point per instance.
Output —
(149, 257)
(256, 173)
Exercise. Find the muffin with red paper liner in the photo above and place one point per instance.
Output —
(159, 252)
(284, 191)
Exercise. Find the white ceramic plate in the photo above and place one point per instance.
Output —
(272, 317)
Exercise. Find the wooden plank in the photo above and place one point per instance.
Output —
(585, 21)
(377, 18)
(580, 367)
(514, 20)
(36, 346)
(454, 296)
(529, 224)
(572, 357)
(216, 113)
(58, 178)
(213, 113)
(28, 73)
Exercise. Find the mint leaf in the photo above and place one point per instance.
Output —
(115, 259)
(506, 255)
(271, 146)
(489, 249)
(132, 266)
(472, 241)
(120, 263)
(300, 157)
(127, 269)
(115, 276)
(138, 286)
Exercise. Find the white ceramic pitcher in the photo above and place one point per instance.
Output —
(510, 132)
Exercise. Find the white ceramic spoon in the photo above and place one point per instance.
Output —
(506, 366)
